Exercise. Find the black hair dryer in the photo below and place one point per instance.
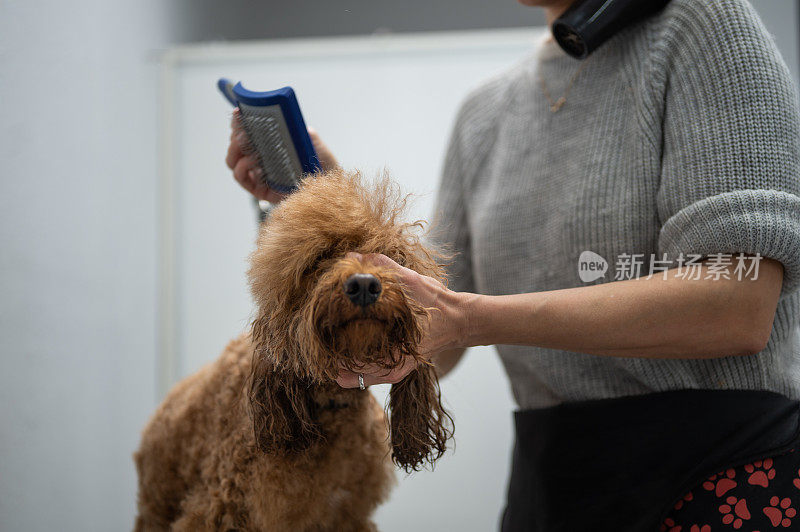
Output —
(589, 23)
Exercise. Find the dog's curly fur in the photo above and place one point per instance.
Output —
(263, 438)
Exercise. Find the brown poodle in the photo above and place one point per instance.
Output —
(263, 438)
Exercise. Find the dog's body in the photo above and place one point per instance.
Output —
(263, 438)
(201, 470)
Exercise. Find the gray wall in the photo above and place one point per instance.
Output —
(203, 20)
(208, 20)
(782, 19)
(78, 234)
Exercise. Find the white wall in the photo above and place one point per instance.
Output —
(78, 164)
(386, 101)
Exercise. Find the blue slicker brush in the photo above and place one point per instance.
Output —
(276, 132)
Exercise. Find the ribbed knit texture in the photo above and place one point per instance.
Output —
(680, 135)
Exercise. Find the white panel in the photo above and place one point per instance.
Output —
(378, 102)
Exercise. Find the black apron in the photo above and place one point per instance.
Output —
(620, 464)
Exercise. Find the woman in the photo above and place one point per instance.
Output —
(672, 156)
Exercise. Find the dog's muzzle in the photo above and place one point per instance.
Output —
(363, 289)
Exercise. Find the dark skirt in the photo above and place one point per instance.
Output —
(625, 464)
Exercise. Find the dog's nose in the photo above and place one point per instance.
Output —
(363, 289)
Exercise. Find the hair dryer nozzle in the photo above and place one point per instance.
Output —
(587, 24)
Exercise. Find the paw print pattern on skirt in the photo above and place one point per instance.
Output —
(734, 512)
(721, 483)
(780, 511)
(760, 496)
(761, 472)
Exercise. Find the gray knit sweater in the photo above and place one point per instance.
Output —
(679, 136)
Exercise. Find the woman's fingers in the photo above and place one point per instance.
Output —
(236, 141)
(376, 375)
(348, 379)
(234, 154)
(419, 287)
(264, 192)
(250, 176)
(382, 260)
(243, 173)
(245, 166)
(412, 280)
(378, 259)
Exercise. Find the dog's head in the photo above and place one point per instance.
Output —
(320, 309)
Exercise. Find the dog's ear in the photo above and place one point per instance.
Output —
(419, 424)
(282, 409)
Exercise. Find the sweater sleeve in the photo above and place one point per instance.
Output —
(450, 228)
(730, 179)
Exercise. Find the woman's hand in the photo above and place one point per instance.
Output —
(443, 330)
(245, 166)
